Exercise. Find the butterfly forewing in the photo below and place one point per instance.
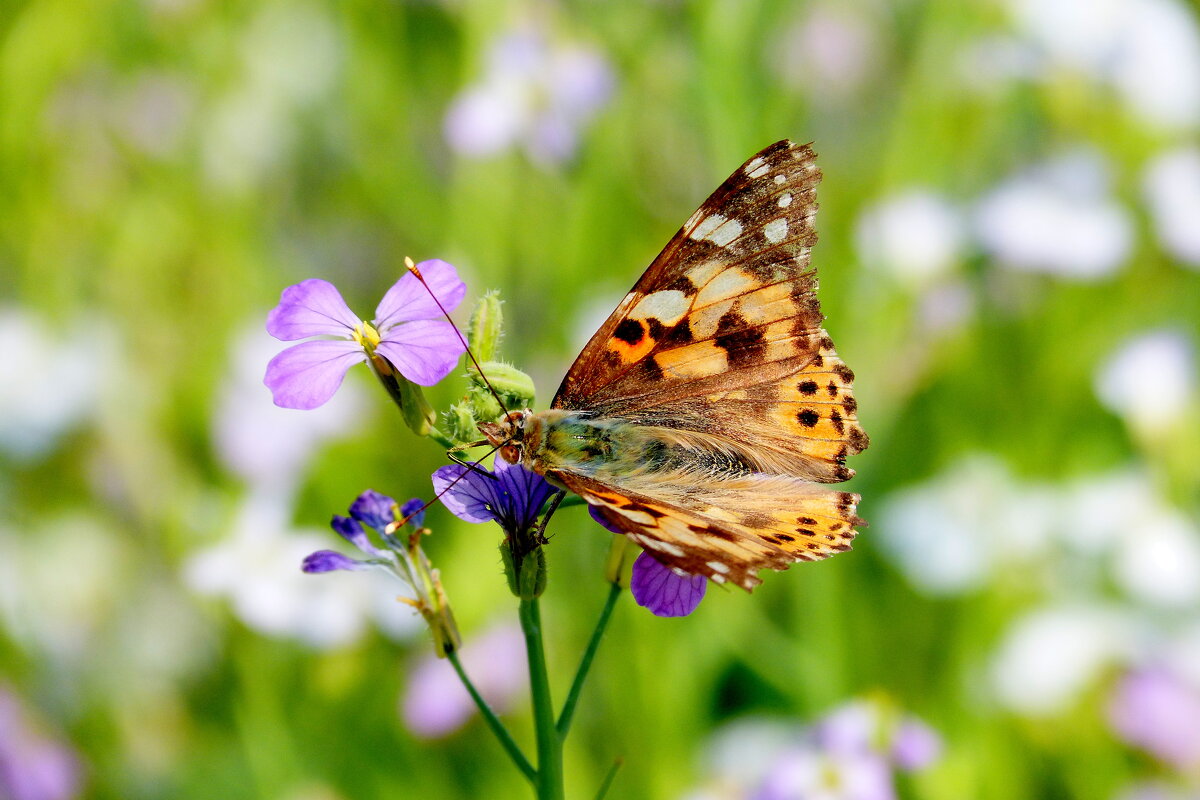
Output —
(729, 293)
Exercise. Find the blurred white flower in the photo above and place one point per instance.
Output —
(1147, 50)
(950, 534)
(915, 235)
(535, 93)
(1160, 564)
(829, 52)
(1052, 654)
(1150, 381)
(267, 446)
(1096, 511)
(257, 567)
(435, 703)
(1057, 218)
(51, 379)
(1172, 187)
(154, 112)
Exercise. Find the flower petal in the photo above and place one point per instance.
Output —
(472, 497)
(305, 375)
(526, 492)
(373, 509)
(328, 561)
(408, 300)
(424, 351)
(665, 593)
(608, 526)
(414, 511)
(310, 308)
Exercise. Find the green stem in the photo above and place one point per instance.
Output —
(549, 748)
(493, 722)
(585, 663)
(441, 438)
(608, 779)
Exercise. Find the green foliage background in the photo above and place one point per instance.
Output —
(180, 247)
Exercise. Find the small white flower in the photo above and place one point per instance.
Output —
(1052, 654)
(1161, 563)
(1150, 381)
(916, 235)
(1057, 218)
(1172, 187)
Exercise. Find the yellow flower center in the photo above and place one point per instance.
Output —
(365, 334)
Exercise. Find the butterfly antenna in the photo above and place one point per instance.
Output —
(473, 467)
(408, 262)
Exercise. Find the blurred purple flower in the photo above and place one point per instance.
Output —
(804, 774)
(407, 331)
(534, 93)
(1156, 711)
(374, 509)
(512, 498)
(414, 512)
(866, 727)
(32, 766)
(436, 704)
(663, 591)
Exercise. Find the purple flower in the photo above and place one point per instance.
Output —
(662, 590)
(329, 561)
(512, 498)
(867, 727)
(1159, 713)
(374, 509)
(414, 512)
(436, 704)
(656, 587)
(805, 773)
(407, 331)
(32, 766)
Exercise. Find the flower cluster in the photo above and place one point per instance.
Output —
(853, 753)
(402, 556)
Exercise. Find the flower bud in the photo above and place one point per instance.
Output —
(532, 580)
(484, 407)
(461, 424)
(515, 387)
(486, 326)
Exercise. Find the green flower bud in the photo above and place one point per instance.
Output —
(460, 421)
(510, 569)
(486, 326)
(532, 579)
(515, 387)
(483, 406)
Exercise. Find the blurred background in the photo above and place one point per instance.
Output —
(1009, 260)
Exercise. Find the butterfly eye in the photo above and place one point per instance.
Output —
(511, 453)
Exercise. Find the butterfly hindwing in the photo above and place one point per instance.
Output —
(726, 531)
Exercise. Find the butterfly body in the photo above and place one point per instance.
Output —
(705, 416)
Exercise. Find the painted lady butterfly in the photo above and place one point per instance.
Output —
(704, 415)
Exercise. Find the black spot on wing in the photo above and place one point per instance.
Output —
(743, 345)
(808, 418)
(630, 331)
(807, 387)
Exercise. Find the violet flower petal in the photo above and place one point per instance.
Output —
(916, 745)
(412, 509)
(474, 498)
(373, 509)
(599, 517)
(306, 375)
(352, 532)
(408, 300)
(329, 561)
(310, 308)
(657, 588)
(424, 351)
(527, 493)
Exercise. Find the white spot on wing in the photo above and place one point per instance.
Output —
(729, 283)
(706, 226)
(717, 578)
(667, 306)
(785, 200)
(729, 230)
(717, 566)
(780, 179)
(756, 164)
(758, 173)
(775, 230)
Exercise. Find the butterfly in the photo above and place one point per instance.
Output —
(706, 415)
